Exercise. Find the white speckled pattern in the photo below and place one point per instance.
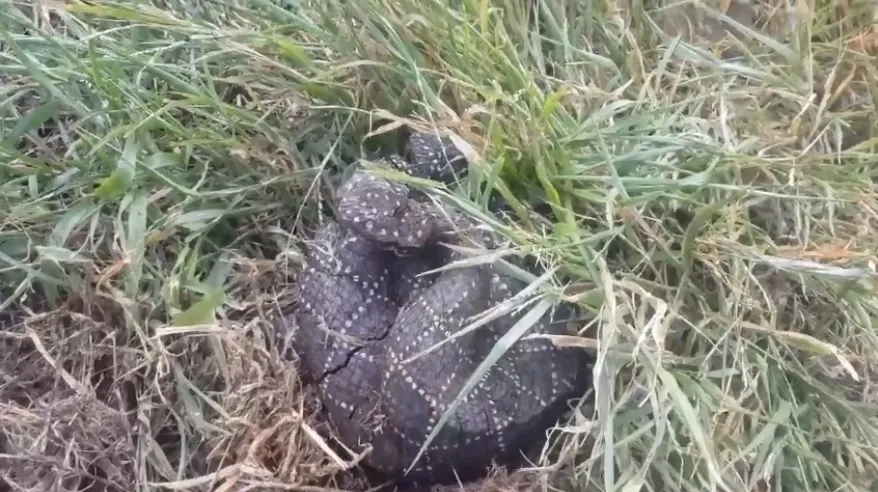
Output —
(364, 310)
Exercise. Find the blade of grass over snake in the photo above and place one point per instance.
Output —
(517, 302)
(503, 344)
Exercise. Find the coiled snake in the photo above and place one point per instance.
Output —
(365, 310)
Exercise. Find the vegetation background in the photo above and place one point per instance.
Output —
(712, 167)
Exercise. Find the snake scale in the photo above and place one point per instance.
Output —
(369, 302)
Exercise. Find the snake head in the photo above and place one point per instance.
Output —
(433, 157)
(381, 211)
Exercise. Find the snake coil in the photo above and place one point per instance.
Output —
(369, 302)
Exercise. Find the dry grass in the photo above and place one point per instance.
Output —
(161, 162)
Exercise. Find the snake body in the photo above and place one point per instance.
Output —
(367, 307)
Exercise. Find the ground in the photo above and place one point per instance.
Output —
(709, 165)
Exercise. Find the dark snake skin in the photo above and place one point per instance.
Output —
(364, 309)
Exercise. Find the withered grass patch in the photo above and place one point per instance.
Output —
(85, 407)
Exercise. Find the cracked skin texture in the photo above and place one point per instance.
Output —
(364, 310)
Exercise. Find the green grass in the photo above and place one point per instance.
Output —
(162, 163)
